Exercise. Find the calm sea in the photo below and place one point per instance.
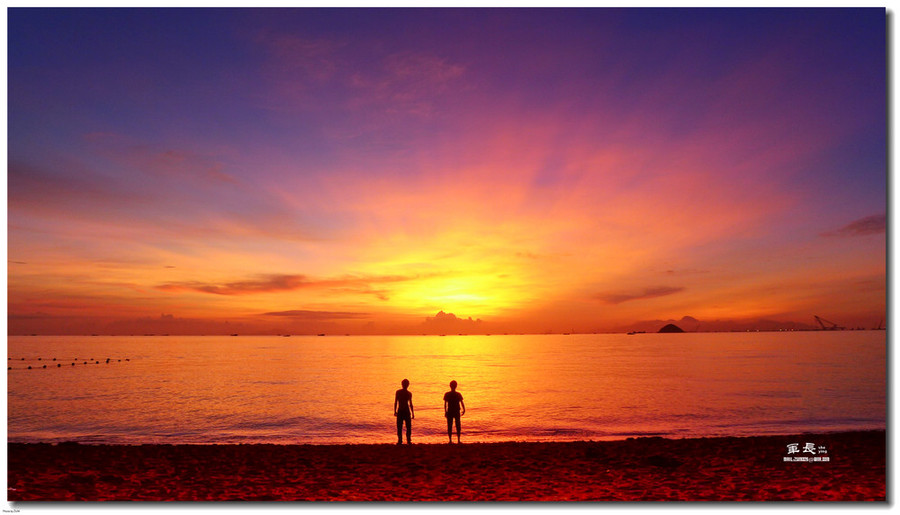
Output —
(340, 389)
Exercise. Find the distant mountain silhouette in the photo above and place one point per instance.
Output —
(691, 324)
(671, 328)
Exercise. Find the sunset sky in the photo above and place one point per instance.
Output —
(359, 171)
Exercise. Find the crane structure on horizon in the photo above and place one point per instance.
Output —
(827, 325)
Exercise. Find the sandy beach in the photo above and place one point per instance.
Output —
(642, 469)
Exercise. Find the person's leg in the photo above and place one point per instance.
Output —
(408, 428)
(458, 425)
(399, 430)
(450, 428)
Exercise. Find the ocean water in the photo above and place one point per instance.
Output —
(340, 389)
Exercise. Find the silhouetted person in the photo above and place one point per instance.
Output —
(453, 400)
(403, 410)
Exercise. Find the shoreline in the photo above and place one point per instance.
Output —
(610, 438)
(746, 468)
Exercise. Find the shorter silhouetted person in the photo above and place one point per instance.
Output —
(453, 401)
(403, 410)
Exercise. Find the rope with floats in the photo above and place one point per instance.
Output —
(34, 365)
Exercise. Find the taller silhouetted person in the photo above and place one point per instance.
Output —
(403, 410)
(453, 400)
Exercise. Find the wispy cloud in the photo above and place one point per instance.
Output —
(171, 162)
(299, 57)
(165, 195)
(263, 284)
(875, 224)
(647, 293)
(285, 282)
(408, 82)
(302, 314)
(313, 72)
(72, 188)
(686, 271)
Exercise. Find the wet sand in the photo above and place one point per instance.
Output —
(643, 469)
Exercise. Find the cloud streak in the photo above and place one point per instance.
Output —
(302, 314)
(263, 284)
(647, 293)
(268, 283)
(875, 224)
(75, 188)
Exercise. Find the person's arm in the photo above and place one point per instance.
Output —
(396, 404)
(412, 412)
(445, 406)
(463, 404)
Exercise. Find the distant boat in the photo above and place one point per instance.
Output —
(322, 334)
(235, 334)
(637, 332)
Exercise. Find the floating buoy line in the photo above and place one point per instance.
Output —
(41, 363)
